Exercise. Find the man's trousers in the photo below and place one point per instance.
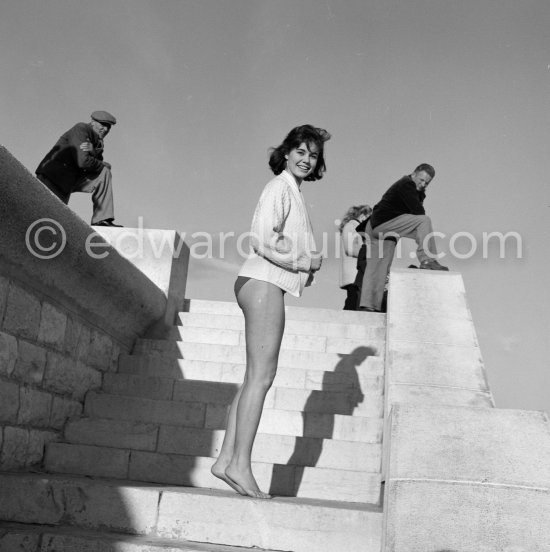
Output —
(381, 244)
(100, 186)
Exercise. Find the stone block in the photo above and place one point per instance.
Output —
(115, 354)
(204, 391)
(73, 329)
(30, 363)
(468, 479)
(78, 502)
(477, 517)
(15, 540)
(9, 401)
(112, 507)
(53, 324)
(277, 525)
(87, 460)
(100, 350)
(460, 443)
(34, 407)
(216, 416)
(189, 414)
(14, 449)
(83, 346)
(22, 316)
(4, 287)
(62, 410)
(37, 444)
(190, 441)
(112, 433)
(69, 377)
(300, 342)
(138, 386)
(30, 499)
(174, 469)
(8, 353)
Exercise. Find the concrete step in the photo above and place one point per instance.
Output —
(42, 538)
(345, 371)
(268, 447)
(186, 514)
(371, 328)
(194, 471)
(236, 354)
(278, 422)
(292, 313)
(313, 343)
(204, 404)
(346, 396)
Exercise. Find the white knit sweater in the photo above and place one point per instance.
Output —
(281, 237)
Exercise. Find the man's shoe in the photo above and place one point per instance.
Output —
(108, 222)
(368, 309)
(432, 264)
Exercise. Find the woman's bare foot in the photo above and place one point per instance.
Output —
(245, 480)
(218, 470)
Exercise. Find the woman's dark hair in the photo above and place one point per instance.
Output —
(353, 213)
(298, 135)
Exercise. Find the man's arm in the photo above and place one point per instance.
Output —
(85, 158)
(410, 197)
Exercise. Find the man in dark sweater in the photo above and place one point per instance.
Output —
(399, 214)
(75, 164)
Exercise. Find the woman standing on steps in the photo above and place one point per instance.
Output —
(283, 260)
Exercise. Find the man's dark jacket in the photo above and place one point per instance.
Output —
(65, 164)
(401, 198)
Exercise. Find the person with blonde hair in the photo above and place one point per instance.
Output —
(351, 242)
(284, 260)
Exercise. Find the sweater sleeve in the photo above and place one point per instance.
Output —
(268, 237)
(351, 239)
(409, 196)
(85, 160)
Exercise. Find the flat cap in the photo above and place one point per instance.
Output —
(103, 117)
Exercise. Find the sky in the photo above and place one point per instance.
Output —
(202, 88)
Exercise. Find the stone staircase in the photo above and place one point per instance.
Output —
(134, 472)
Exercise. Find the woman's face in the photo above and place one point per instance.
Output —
(301, 161)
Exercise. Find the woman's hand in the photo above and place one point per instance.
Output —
(316, 261)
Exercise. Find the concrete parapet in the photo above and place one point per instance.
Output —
(433, 355)
(70, 303)
(467, 479)
(163, 257)
(107, 292)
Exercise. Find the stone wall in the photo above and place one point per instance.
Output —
(49, 359)
(64, 318)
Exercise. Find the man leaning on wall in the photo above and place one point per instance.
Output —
(75, 164)
(399, 214)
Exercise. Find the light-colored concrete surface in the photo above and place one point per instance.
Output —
(34, 538)
(109, 293)
(433, 356)
(292, 313)
(224, 370)
(280, 523)
(505, 447)
(297, 327)
(289, 358)
(178, 514)
(467, 479)
(162, 256)
(313, 343)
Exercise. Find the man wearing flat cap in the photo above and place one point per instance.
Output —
(75, 164)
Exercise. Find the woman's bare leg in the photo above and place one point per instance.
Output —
(263, 307)
(226, 452)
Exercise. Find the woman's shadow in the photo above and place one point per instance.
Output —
(340, 394)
